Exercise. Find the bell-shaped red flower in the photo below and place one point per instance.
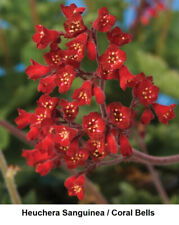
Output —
(74, 26)
(64, 134)
(120, 116)
(54, 57)
(44, 36)
(75, 186)
(24, 119)
(97, 148)
(146, 92)
(47, 84)
(107, 74)
(83, 94)
(70, 109)
(36, 70)
(68, 11)
(76, 156)
(105, 21)
(164, 112)
(64, 78)
(48, 102)
(77, 46)
(119, 38)
(113, 58)
(94, 125)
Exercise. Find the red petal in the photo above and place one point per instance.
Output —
(147, 116)
(112, 144)
(91, 50)
(99, 95)
(23, 119)
(125, 147)
(36, 70)
(44, 168)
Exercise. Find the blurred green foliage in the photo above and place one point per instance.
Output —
(17, 91)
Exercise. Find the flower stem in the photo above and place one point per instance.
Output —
(9, 180)
(15, 131)
(164, 31)
(155, 176)
(34, 13)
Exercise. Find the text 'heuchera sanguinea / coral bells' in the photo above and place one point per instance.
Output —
(53, 128)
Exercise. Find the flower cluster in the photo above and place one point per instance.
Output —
(53, 128)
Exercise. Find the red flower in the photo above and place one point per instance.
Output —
(125, 77)
(125, 147)
(120, 116)
(44, 36)
(44, 168)
(68, 11)
(54, 57)
(91, 50)
(164, 113)
(36, 70)
(83, 94)
(64, 135)
(76, 156)
(113, 58)
(47, 102)
(47, 84)
(119, 38)
(112, 143)
(107, 74)
(146, 92)
(77, 46)
(39, 117)
(147, 116)
(99, 95)
(94, 125)
(105, 21)
(43, 161)
(34, 156)
(23, 119)
(97, 148)
(75, 186)
(70, 109)
(64, 78)
(74, 26)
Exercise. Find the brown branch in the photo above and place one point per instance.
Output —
(136, 27)
(16, 132)
(155, 176)
(34, 12)
(155, 160)
(99, 198)
(9, 180)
